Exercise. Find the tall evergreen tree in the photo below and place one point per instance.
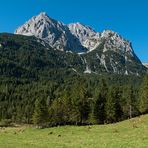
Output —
(91, 116)
(118, 104)
(80, 102)
(100, 97)
(40, 115)
(143, 102)
(60, 110)
(110, 109)
(129, 101)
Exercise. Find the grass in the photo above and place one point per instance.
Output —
(127, 134)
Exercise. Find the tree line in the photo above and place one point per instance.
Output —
(76, 101)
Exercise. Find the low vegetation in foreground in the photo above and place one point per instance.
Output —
(131, 133)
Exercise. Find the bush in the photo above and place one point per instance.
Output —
(6, 123)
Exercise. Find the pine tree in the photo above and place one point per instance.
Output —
(40, 116)
(91, 116)
(99, 111)
(60, 110)
(83, 104)
(100, 97)
(129, 101)
(110, 106)
(143, 103)
(118, 104)
(80, 102)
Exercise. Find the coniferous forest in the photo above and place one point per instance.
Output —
(36, 87)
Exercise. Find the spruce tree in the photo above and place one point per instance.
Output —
(40, 115)
(100, 97)
(143, 103)
(110, 109)
(80, 102)
(118, 103)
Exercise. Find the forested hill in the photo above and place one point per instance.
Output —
(41, 85)
(25, 57)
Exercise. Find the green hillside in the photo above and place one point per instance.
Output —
(131, 133)
(41, 85)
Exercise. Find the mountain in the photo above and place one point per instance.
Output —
(26, 56)
(75, 37)
(67, 72)
(53, 32)
(115, 55)
(86, 35)
(104, 52)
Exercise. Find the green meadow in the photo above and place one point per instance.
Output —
(131, 133)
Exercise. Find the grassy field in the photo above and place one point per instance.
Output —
(127, 134)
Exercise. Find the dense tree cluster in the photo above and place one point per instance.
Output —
(78, 100)
(35, 87)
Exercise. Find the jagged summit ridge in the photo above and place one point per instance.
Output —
(53, 32)
(87, 36)
(76, 37)
(115, 42)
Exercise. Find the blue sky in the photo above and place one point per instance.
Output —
(127, 17)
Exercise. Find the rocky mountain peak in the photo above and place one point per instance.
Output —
(53, 32)
(76, 37)
(115, 42)
(108, 33)
(80, 28)
(87, 36)
(43, 14)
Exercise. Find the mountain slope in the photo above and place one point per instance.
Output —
(115, 54)
(87, 36)
(25, 56)
(30, 59)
